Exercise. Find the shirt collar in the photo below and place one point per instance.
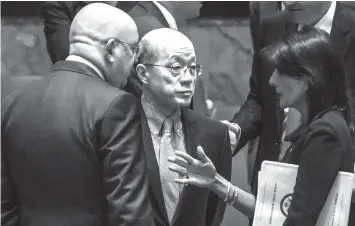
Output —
(327, 20)
(84, 61)
(156, 118)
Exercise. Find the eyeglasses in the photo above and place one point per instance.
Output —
(133, 48)
(195, 70)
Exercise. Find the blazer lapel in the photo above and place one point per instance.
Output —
(152, 167)
(154, 11)
(341, 33)
(190, 133)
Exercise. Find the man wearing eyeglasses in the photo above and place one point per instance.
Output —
(168, 71)
(71, 142)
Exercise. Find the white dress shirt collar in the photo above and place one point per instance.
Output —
(84, 61)
(327, 20)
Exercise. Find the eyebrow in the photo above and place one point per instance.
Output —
(180, 58)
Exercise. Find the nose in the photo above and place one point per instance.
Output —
(187, 79)
(273, 79)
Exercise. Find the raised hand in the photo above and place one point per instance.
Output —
(234, 134)
(195, 172)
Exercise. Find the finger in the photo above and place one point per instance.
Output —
(232, 136)
(180, 170)
(183, 181)
(186, 157)
(201, 154)
(231, 127)
(178, 160)
(225, 122)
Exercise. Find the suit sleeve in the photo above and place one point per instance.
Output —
(249, 115)
(9, 202)
(318, 168)
(146, 24)
(9, 199)
(124, 174)
(216, 207)
(56, 29)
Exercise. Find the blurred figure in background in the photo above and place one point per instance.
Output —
(71, 142)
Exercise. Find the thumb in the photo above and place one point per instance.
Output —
(201, 154)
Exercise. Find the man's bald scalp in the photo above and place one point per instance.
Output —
(159, 39)
(99, 21)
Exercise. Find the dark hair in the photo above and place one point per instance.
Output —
(309, 53)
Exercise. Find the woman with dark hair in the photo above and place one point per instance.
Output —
(310, 78)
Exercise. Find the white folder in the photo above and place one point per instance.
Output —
(275, 187)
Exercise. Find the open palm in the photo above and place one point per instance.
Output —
(200, 173)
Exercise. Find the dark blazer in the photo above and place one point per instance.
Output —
(260, 115)
(71, 153)
(321, 150)
(197, 206)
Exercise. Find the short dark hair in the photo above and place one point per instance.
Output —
(309, 53)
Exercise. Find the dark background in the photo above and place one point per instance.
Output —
(220, 9)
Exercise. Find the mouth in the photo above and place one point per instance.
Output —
(185, 93)
(278, 95)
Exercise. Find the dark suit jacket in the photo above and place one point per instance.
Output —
(197, 206)
(71, 153)
(260, 115)
(321, 150)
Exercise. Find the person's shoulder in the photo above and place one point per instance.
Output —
(91, 89)
(330, 123)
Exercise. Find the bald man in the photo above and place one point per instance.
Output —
(168, 71)
(71, 145)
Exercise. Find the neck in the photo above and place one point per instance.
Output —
(90, 54)
(302, 108)
(165, 109)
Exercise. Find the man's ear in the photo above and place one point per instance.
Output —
(109, 47)
(142, 73)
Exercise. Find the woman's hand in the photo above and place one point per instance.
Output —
(200, 173)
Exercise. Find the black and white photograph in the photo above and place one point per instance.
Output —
(177, 113)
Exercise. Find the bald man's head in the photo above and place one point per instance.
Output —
(159, 42)
(104, 35)
(99, 21)
(167, 68)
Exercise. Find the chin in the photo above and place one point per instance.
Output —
(123, 83)
(183, 102)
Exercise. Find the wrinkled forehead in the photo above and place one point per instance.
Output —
(182, 53)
